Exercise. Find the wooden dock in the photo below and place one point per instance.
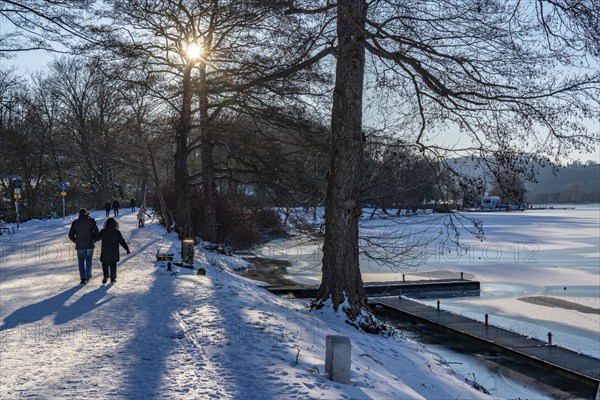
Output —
(417, 289)
(565, 362)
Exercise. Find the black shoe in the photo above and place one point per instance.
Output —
(104, 280)
(83, 282)
(113, 281)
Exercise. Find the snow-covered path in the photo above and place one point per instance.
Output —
(155, 335)
(61, 338)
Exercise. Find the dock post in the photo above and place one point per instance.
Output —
(461, 276)
(338, 357)
(486, 319)
(403, 278)
(438, 305)
(549, 338)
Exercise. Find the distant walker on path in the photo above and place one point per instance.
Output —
(107, 207)
(115, 207)
(83, 233)
(141, 216)
(132, 204)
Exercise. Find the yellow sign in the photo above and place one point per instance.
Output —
(17, 195)
(63, 193)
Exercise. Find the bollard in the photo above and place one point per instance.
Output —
(338, 357)
(461, 276)
(486, 319)
(549, 338)
(403, 278)
(438, 305)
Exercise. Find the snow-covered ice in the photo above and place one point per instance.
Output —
(553, 253)
(162, 335)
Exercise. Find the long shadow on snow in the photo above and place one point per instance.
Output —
(247, 348)
(238, 359)
(38, 311)
(155, 338)
(83, 305)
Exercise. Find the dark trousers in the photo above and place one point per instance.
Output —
(112, 268)
(107, 213)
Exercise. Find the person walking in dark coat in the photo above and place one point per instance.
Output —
(132, 204)
(83, 233)
(115, 207)
(111, 238)
(107, 207)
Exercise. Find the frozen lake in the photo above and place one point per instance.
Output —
(539, 269)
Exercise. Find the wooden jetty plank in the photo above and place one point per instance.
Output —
(437, 287)
(568, 363)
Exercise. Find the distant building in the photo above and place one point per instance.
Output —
(488, 202)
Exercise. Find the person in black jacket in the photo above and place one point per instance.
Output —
(111, 238)
(107, 207)
(115, 207)
(83, 233)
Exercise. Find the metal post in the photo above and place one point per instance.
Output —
(17, 183)
(438, 305)
(549, 338)
(403, 278)
(486, 319)
(17, 210)
(64, 208)
(461, 276)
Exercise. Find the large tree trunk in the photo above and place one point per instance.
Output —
(183, 218)
(209, 229)
(342, 279)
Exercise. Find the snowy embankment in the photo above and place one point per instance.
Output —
(157, 334)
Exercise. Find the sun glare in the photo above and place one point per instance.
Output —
(193, 51)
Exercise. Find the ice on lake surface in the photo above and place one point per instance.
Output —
(552, 252)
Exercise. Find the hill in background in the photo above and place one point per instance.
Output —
(574, 183)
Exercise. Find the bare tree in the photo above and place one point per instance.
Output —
(49, 25)
(509, 79)
(244, 59)
(92, 113)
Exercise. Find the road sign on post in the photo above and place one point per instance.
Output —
(18, 184)
(63, 193)
(17, 198)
